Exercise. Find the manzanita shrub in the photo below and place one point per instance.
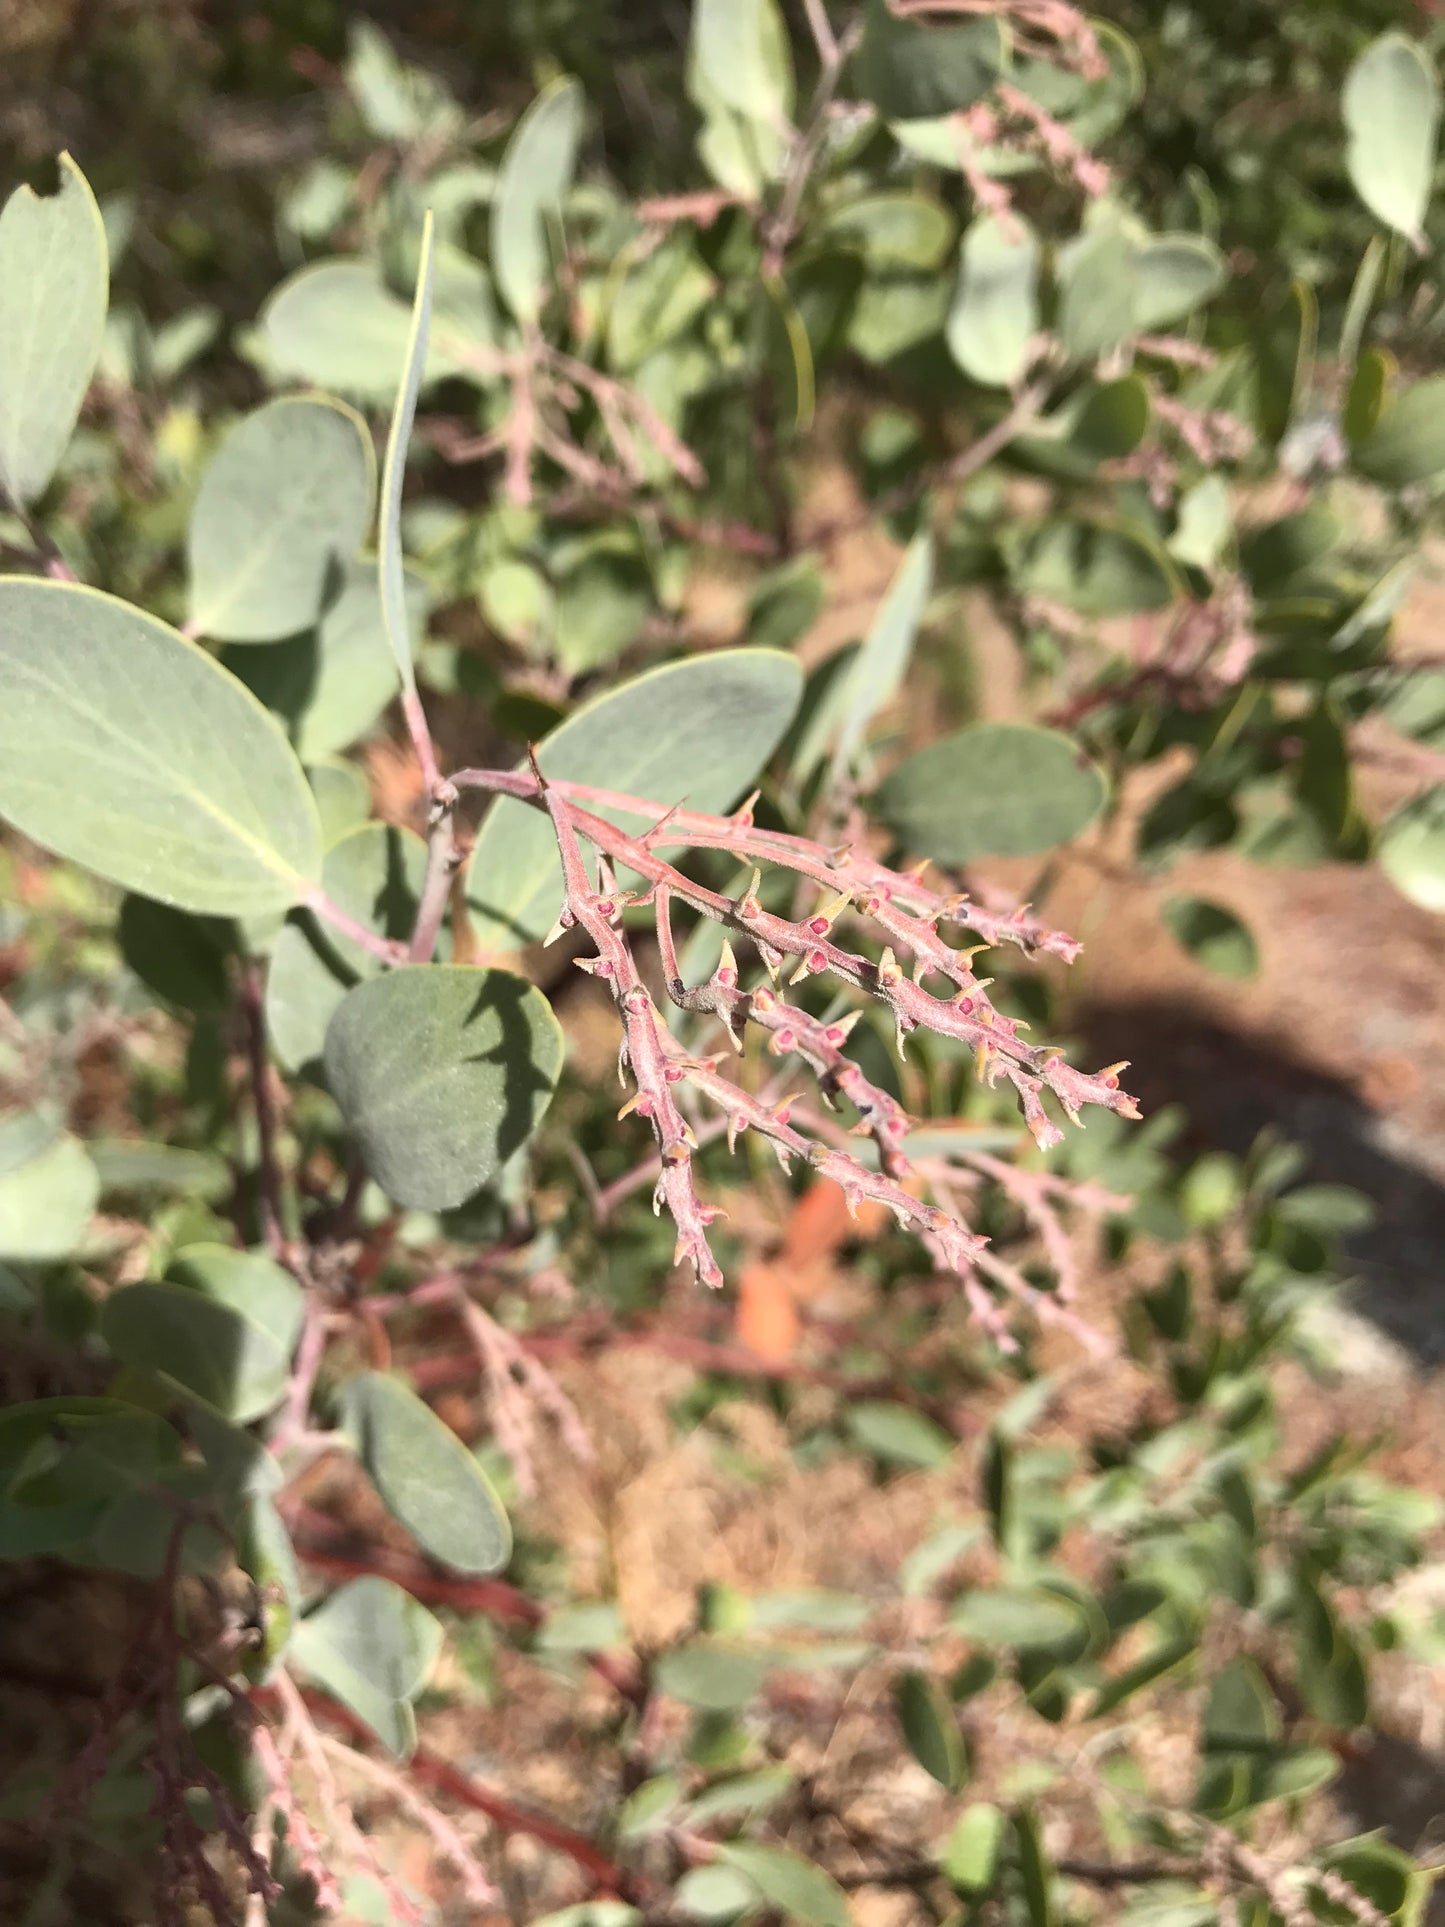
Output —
(1194, 485)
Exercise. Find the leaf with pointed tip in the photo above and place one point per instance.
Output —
(54, 288)
(428, 1478)
(536, 172)
(1391, 109)
(280, 512)
(128, 749)
(391, 569)
(442, 1071)
(371, 1646)
(699, 730)
(930, 1727)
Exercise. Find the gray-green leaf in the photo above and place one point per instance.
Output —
(877, 671)
(1391, 108)
(427, 1477)
(280, 512)
(442, 1072)
(391, 571)
(46, 1200)
(993, 789)
(371, 1646)
(699, 730)
(54, 288)
(128, 749)
(995, 312)
(536, 173)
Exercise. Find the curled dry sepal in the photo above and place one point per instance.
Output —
(908, 917)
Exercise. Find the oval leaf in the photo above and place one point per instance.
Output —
(280, 512)
(995, 312)
(428, 1478)
(337, 324)
(536, 173)
(375, 875)
(213, 1350)
(371, 1646)
(190, 792)
(993, 789)
(1391, 108)
(740, 46)
(54, 289)
(46, 1201)
(699, 731)
(790, 1884)
(330, 686)
(1407, 443)
(442, 1071)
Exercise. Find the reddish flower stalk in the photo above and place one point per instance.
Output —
(899, 907)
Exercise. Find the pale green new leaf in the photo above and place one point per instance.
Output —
(128, 749)
(280, 512)
(536, 172)
(46, 1201)
(1391, 108)
(54, 288)
(391, 569)
(742, 48)
(995, 312)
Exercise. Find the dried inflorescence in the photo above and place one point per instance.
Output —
(902, 912)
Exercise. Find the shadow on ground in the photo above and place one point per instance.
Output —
(1233, 1085)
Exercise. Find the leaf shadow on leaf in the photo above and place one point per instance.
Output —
(502, 994)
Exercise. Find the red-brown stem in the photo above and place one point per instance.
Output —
(441, 863)
(253, 1011)
(420, 732)
(431, 1770)
(320, 905)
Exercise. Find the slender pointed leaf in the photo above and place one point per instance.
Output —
(391, 570)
